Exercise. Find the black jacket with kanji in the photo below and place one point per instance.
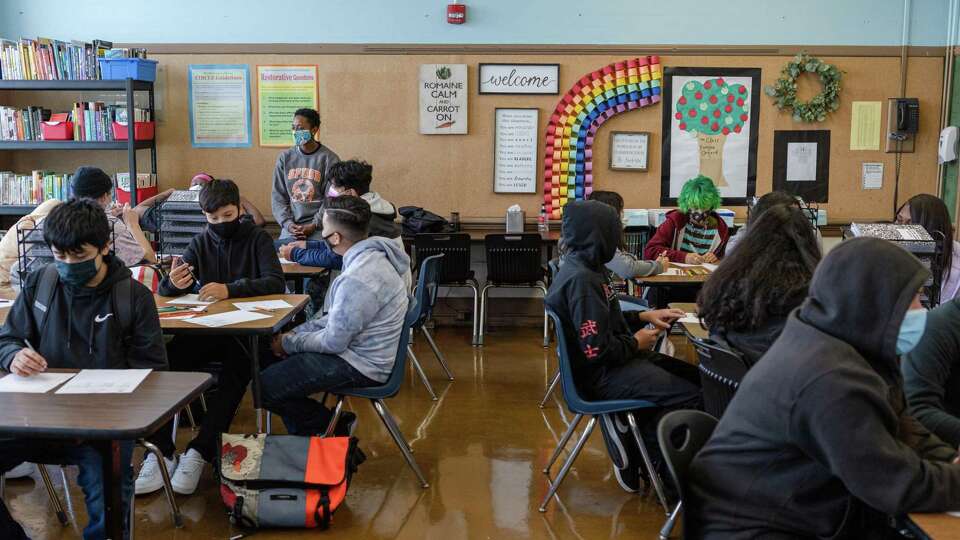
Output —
(581, 295)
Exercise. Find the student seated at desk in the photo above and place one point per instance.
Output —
(355, 343)
(610, 362)
(347, 178)
(817, 443)
(130, 245)
(84, 311)
(746, 301)
(931, 374)
(9, 254)
(932, 214)
(232, 258)
(149, 209)
(695, 234)
(624, 264)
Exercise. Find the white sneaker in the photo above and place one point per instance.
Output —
(22, 470)
(150, 479)
(188, 473)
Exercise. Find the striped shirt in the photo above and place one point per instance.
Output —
(699, 239)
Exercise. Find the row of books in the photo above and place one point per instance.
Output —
(92, 121)
(54, 60)
(22, 124)
(33, 188)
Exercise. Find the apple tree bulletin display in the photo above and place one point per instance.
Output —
(594, 99)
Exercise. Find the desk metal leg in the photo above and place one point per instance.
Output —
(255, 380)
(298, 285)
(112, 491)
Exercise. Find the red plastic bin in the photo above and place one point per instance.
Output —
(142, 131)
(57, 131)
(123, 195)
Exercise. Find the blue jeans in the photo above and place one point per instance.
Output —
(286, 385)
(15, 451)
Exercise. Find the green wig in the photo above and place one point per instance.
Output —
(699, 193)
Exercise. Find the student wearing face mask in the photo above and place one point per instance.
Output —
(232, 258)
(301, 179)
(94, 316)
(355, 343)
(817, 441)
(149, 209)
(694, 234)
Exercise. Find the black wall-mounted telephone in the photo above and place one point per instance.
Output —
(908, 115)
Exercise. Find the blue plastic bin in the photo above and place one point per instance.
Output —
(140, 69)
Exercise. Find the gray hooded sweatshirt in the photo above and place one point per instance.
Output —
(368, 302)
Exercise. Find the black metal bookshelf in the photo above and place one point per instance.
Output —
(128, 86)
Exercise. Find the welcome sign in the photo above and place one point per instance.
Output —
(519, 78)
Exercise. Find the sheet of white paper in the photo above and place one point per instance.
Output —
(690, 318)
(682, 265)
(228, 318)
(190, 300)
(105, 381)
(710, 267)
(801, 162)
(871, 175)
(262, 304)
(36, 384)
(672, 272)
(5, 303)
(285, 261)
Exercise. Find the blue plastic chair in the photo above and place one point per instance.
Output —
(428, 284)
(581, 407)
(376, 394)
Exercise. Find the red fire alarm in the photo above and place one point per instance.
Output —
(456, 13)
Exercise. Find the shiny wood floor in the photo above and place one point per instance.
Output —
(482, 446)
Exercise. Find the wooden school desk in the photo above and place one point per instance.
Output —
(252, 331)
(934, 526)
(692, 330)
(664, 283)
(299, 274)
(83, 417)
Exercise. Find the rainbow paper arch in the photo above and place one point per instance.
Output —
(597, 97)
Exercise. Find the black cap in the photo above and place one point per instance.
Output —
(91, 182)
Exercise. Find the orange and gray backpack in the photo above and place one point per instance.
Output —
(285, 480)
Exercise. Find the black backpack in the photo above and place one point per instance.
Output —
(416, 220)
(121, 300)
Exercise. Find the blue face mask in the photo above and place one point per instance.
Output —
(302, 136)
(77, 274)
(911, 330)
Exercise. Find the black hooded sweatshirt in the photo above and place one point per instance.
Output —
(81, 330)
(246, 263)
(815, 443)
(581, 295)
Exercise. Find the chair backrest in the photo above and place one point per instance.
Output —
(455, 248)
(392, 386)
(427, 286)
(681, 435)
(721, 371)
(514, 259)
(570, 394)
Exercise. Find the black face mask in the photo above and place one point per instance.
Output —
(226, 229)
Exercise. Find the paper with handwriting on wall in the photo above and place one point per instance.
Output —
(189, 300)
(263, 304)
(228, 318)
(39, 383)
(105, 381)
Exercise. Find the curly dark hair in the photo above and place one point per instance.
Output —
(766, 277)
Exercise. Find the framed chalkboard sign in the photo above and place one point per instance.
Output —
(629, 150)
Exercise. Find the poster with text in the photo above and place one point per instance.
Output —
(281, 90)
(219, 105)
(710, 119)
(515, 150)
(443, 99)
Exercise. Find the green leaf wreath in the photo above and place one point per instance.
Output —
(784, 92)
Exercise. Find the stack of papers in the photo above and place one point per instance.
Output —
(40, 383)
(269, 305)
(228, 318)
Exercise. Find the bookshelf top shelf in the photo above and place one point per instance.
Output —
(73, 85)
